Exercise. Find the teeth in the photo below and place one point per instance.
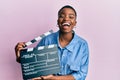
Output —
(68, 24)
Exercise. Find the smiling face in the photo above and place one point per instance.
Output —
(66, 20)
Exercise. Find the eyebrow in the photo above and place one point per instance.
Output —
(69, 14)
(72, 14)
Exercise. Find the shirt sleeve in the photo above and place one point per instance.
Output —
(82, 73)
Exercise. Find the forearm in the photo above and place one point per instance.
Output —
(66, 77)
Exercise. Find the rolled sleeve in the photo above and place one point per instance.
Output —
(82, 73)
(77, 76)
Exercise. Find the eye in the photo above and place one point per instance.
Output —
(71, 16)
(61, 16)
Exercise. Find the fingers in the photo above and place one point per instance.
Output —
(48, 77)
(38, 78)
(19, 47)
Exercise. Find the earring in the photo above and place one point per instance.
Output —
(75, 27)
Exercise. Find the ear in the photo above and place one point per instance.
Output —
(57, 22)
(75, 22)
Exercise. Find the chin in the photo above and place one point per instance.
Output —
(65, 31)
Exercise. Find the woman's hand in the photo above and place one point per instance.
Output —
(38, 78)
(48, 77)
(19, 47)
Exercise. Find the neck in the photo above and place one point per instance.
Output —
(65, 38)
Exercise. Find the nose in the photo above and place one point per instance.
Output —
(66, 18)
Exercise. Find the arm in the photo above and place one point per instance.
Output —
(66, 77)
(51, 77)
(82, 73)
(84, 61)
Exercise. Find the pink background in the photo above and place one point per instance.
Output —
(98, 22)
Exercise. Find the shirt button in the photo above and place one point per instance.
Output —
(63, 55)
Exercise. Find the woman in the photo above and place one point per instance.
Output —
(72, 49)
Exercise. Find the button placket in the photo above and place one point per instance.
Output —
(64, 61)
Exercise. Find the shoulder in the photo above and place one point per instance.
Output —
(52, 36)
(81, 46)
(81, 43)
(49, 39)
(80, 40)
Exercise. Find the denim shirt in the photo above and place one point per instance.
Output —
(73, 58)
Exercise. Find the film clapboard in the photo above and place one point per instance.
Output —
(39, 61)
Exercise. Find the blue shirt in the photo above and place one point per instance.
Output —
(74, 57)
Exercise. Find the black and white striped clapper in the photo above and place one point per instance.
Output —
(39, 61)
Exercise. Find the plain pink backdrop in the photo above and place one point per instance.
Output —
(98, 22)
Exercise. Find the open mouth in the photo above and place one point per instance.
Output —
(66, 24)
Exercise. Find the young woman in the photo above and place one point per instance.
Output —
(72, 49)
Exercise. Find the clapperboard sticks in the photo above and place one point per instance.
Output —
(38, 38)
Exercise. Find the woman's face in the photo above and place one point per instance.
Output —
(66, 20)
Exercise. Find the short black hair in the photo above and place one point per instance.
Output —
(67, 6)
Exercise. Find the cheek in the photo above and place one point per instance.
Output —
(74, 23)
(59, 21)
